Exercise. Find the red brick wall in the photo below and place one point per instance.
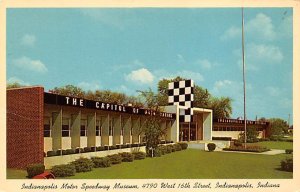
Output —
(25, 140)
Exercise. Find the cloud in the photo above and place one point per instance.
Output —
(205, 64)
(28, 40)
(163, 74)
(257, 55)
(134, 64)
(231, 33)
(142, 75)
(17, 80)
(30, 65)
(89, 85)
(273, 91)
(120, 18)
(180, 59)
(259, 28)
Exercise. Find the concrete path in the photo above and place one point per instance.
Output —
(272, 152)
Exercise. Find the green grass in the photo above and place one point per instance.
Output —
(16, 174)
(274, 144)
(193, 164)
(188, 164)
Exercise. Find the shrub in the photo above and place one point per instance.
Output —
(63, 170)
(113, 147)
(35, 169)
(163, 149)
(222, 138)
(79, 150)
(100, 148)
(83, 164)
(169, 148)
(101, 161)
(127, 157)
(115, 159)
(183, 145)
(177, 147)
(139, 155)
(157, 152)
(87, 149)
(135, 145)
(289, 151)
(52, 153)
(257, 149)
(211, 146)
(287, 165)
(93, 149)
(237, 143)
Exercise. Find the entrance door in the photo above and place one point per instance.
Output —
(187, 131)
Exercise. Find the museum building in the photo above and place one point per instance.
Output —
(39, 122)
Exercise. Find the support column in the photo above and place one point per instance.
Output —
(91, 130)
(135, 130)
(168, 131)
(75, 130)
(117, 131)
(127, 128)
(105, 131)
(207, 126)
(56, 130)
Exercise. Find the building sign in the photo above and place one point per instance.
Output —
(237, 121)
(50, 98)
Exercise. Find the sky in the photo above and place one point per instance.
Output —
(131, 49)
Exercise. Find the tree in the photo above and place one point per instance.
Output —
(252, 135)
(152, 128)
(69, 90)
(221, 107)
(13, 85)
(278, 126)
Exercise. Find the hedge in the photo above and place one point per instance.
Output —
(115, 159)
(127, 157)
(183, 145)
(222, 138)
(63, 170)
(101, 162)
(257, 149)
(139, 155)
(83, 164)
(35, 169)
(211, 146)
(287, 165)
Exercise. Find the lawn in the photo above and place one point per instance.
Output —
(274, 144)
(193, 164)
(189, 164)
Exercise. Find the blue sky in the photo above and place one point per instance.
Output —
(131, 49)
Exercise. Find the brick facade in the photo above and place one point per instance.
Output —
(25, 111)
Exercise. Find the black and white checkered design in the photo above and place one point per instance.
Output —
(182, 93)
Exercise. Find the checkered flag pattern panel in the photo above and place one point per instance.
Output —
(182, 93)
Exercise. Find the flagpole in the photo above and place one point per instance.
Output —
(244, 79)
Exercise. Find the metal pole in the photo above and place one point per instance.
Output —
(244, 79)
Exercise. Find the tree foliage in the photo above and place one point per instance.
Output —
(278, 126)
(13, 85)
(221, 107)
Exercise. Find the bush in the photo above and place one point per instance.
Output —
(113, 147)
(163, 149)
(183, 145)
(35, 169)
(135, 145)
(157, 152)
(211, 146)
(68, 151)
(52, 153)
(139, 155)
(83, 164)
(127, 157)
(287, 165)
(115, 159)
(100, 148)
(101, 162)
(222, 138)
(63, 170)
(87, 149)
(257, 149)
(289, 151)
(237, 143)
(177, 147)
(169, 148)
(79, 150)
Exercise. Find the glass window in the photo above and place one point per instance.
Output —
(111, 127)
(97, 130)
(82, 130)
(47, 131)
(65, 129)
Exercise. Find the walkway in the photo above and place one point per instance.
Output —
(272, 152)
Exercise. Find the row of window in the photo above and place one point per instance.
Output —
(233, 129)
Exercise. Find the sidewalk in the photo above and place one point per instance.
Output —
(272, 152)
